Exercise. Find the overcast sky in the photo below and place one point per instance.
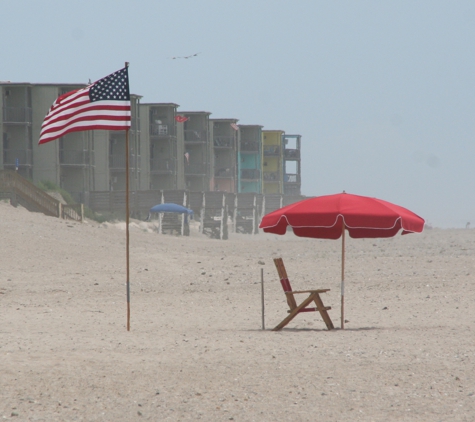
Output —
(382, 92)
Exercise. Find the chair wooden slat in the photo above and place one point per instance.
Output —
(314, 296)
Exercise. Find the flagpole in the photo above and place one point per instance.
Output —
(127, 212)
(343, 276)
(127, 223)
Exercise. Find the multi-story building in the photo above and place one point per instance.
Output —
(168, 150)
(198, 150)
(162, 146)
(78, 162)
(249, 159)
(292, 177)
(272, 162)
(17, 128)
(225, 135)
(68, 163)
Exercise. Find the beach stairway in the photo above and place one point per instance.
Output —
(22, 192)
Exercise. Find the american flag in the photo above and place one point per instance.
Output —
(234, 126)
(105, 104)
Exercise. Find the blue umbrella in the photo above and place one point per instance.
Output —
(169, 207)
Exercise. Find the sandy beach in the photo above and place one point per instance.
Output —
(196, 349)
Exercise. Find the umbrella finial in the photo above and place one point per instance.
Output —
(344, 192)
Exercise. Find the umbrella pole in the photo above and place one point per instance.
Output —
(343, 277)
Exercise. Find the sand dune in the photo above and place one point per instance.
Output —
(196, 349)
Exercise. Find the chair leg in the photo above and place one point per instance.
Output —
(323, 312)
(294, 312)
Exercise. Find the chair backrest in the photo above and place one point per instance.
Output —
(284, 281)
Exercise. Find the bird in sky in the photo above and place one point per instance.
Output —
(185, 57)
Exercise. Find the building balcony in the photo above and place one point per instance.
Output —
(195, 170)
(250, 174)
(224, 173)
(117, 161)
(196, 136)
(291, 178)
(271, 150)
(226, 142)
(162, 166)
(17, 115)
(160, 130)
(292, 190)
(76, 157)
(250, 146)
(292, 154)
(22, 157)
(271, 176)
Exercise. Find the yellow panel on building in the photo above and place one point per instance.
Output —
(272, 162)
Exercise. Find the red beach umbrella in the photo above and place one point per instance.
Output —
(328, 217)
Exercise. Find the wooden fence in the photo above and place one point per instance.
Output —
(214, 210)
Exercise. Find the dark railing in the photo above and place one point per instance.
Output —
(117, 161)
(160, 130)
(198, 136)
(292, 153)
(223, 141)
(195, 169)
(291, 178)
(250, 174)
(224, 173)
(76, 157)
(292, 190)
(271, 150)
(72, 212)
(250, 146)
(24, 157)
(17, 115)
(162, 165)
(271, 176)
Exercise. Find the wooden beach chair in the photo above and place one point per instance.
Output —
(314, 296)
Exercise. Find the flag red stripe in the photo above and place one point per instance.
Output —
(63, 102)
(85, 125)
(85, 106)
(81, 129)
(106, 117)
(67, 116)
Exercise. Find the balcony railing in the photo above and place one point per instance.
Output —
(250, 146)
(291, 178)
(117, 161)
(159, 130)
(76, 157)
(195, 169)
(250, 174)
(196, 136)
(224, 173)
(24, 157)
(162, 166)
(17, 115)
(271, 150)
(292, 153)
(223, 142)
(271, 176)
